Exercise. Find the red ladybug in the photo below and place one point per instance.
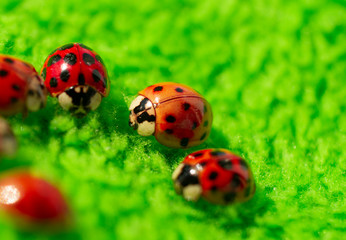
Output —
(8, 142)
(177, 115)
(217, 175)
(32, 199)
(21, 88)
(77, 76)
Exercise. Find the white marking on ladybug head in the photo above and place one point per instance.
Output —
(80, 100)
(8, 142)
(192, 192)
(36, 95)
(142, 116)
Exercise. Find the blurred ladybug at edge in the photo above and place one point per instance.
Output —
(21, 88)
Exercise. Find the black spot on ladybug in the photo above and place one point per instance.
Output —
(66, 46)
(83, 46)
(229, 197)
(81, 98)
(146, 117)
(235, 182)
(205, 123)
(43, 74)
(196, 155)
(16, 87)
(53, 82)
(186, 106)
(194, 125)
(217, 153)
(184, 142)
(187, 177)
(8, 60)
(213, 175)
(213, 188)
(81, 79)
(96, 75)
(170, 119)
(203, 136)
(65, 75)
(225, 164)
(243, 164)
(158, 89)
(3, 73)
(70, 59)
(141, 106)
(98, 58)
(53, 59)
(14, 99)
(88, 59)
(178, 89)
(205, 109)
(169, 131)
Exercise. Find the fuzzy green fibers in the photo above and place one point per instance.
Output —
(274, 73)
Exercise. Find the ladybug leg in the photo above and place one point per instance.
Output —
(80, 100)
(8, 142)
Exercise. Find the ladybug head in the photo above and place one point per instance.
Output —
(80, 100)
(8, 143)
(142, 116)
(36, 95)
(186, 182)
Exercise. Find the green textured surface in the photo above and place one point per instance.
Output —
(274, 73)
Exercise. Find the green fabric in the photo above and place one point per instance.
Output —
(274, 73)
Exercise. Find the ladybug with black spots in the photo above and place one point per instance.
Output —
(77, 76)
(22, 89)
(32, 201)
(177, 115)
(217, 175)
(8, 142)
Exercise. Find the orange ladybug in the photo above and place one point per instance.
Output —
(177, 115)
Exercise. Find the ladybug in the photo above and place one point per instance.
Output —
(77, 76)
(32, 199)
(177, 115)
(8, 142)
(217, 175)
(22, 89)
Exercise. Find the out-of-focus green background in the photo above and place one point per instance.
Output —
(274, 73)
